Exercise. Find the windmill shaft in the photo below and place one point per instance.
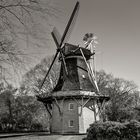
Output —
(69, 23)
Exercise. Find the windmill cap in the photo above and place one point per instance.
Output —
(74, 50)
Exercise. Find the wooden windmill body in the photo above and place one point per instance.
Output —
(74, 102)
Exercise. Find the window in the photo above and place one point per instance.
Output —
(71, 123)
(71, 106)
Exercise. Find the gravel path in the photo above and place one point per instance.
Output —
(49, 137)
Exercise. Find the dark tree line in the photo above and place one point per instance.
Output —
(21, 113)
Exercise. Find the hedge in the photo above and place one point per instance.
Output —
(114, 131)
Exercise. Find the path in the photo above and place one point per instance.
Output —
(45, 137)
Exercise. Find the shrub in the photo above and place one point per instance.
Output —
(132, 129)
(36, 127)
(114, 131)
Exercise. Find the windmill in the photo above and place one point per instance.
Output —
(76, 93)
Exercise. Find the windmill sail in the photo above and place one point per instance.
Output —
(56, 36)
(60, 40)
(70, 24)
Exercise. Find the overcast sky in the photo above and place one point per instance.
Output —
(117, 26)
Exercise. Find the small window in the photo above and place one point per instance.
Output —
(71, 123)
(71, 106)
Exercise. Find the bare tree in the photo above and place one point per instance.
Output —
(122, 95)
(32, 80)
(19, 25)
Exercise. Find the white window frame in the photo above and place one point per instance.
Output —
(70, 123)
(70, 106)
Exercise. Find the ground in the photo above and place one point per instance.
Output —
(45, 137)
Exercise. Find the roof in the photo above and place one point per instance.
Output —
(74, 50)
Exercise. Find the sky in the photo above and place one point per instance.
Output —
(116, 24)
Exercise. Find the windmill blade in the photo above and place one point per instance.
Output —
(56, 36)
(48, 70)
(69, 23)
